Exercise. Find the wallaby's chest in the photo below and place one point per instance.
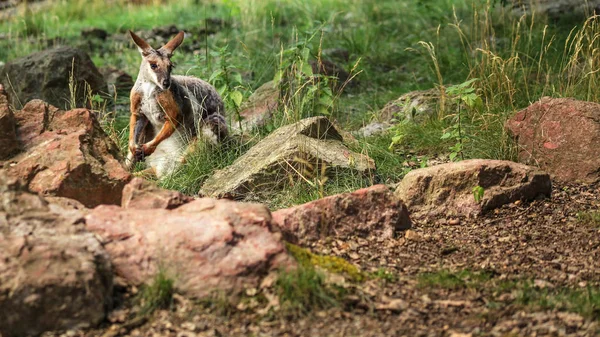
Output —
(150, 107)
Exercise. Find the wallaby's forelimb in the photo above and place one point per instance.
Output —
(138, 136)
(169, 106)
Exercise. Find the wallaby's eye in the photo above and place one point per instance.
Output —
(153, 66)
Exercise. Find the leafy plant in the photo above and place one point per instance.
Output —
(463, 93)
(478, 192)
(304, 93)
(228, 82)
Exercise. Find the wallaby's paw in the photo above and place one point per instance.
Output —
(139, 154)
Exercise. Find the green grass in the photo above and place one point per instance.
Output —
(303, 290)
(393, 47)
(591, 218)
(583, 301)
(156, 295)
(202, 162)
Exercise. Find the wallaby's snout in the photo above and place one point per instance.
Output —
(156, 63)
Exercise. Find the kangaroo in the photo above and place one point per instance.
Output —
(169, 112)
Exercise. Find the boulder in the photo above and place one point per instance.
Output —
(561, 136)
(258, 109)
(416, 106)
(448, 189)
(118, 81)
(54, 274)
(554, 8)
(8, 136)
(372, 211)
(67, 154)
(94, 33)
(205, 246)
(289, 150)
(46, 75)
(142, 194)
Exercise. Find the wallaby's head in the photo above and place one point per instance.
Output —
(156, 63)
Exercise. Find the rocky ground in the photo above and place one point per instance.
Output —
(484, 276)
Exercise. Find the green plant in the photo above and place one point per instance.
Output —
(156, 295)
(228, 82)
(463, 93)
(384, 275)
(303, 92)
(585, 301)
(478, 192)
(591, 218)
(303, 290)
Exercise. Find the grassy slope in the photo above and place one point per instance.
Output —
(516, 61)
(394, 47)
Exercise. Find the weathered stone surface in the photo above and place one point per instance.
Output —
(142, 194)
(259, 108)
(46, 74)
(287, 150)
(67, 154)
(416, 106)
(8, 136)
(205, 245)
(447, 189)
(94, 33)
(373, 211)
(554, 8)
(54, 275)
(561, 136)
(118, 81)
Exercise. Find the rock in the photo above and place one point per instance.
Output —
(554, 8)
(8, 136)
(416, 106)
(95, 33)
(373, 129)
(340, 54)
(373, 211)
(206, 245)
(258, 109)
(142, 194)
(54, 275)
(447, 189)
(118, 81)
(328, 68)
(67, 203)
(289, 149)
(46, 74)
(67, 154)
(562, 136)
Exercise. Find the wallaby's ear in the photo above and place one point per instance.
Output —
(143, 46)
(173, 44)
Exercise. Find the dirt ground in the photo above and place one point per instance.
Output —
(445, 277)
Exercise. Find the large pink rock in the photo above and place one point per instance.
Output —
(561, 136)
(54, 274)
(67, 154)
(142, 194)
(8, 136)
(373, 211)
(205, 245)
(447, 189)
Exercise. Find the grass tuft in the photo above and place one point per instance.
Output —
(157, 295)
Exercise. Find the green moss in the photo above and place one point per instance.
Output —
(332, 264)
